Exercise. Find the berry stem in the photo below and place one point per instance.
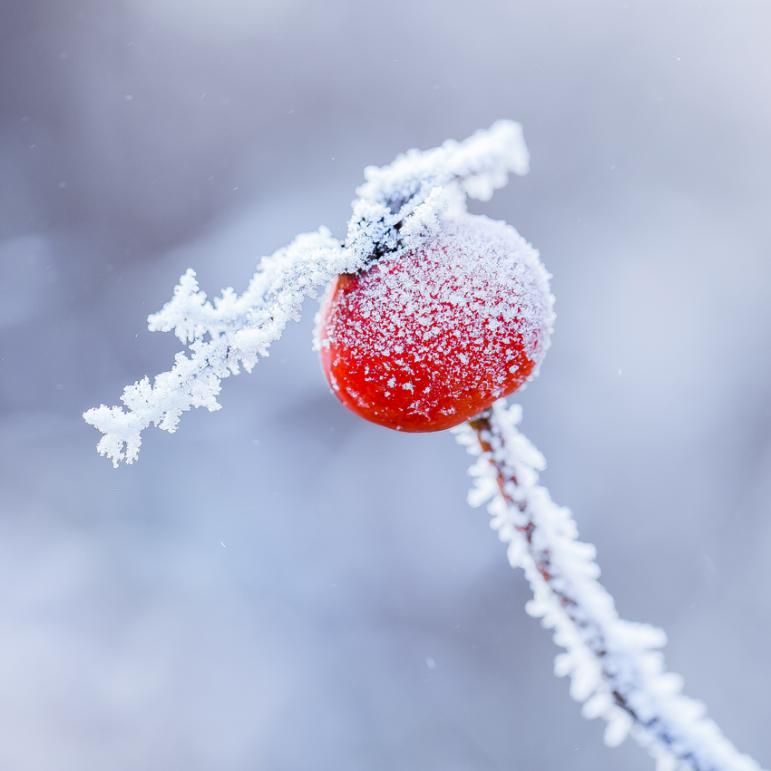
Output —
(617, 670)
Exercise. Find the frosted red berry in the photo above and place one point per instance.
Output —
(427, 339)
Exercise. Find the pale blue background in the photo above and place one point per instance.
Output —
(264, 589)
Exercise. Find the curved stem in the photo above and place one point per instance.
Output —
(616, 667)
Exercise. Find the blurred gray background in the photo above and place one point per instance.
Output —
(282, 586)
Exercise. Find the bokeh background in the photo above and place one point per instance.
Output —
(281, 586)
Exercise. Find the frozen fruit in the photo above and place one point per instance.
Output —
(425, 339)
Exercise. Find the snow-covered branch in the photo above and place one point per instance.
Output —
(616, 667)
(397, 206)
(223, 337)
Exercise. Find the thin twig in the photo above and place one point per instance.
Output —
(615, 666)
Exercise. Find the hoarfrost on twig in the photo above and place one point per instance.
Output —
(616, 668)
(397, 205)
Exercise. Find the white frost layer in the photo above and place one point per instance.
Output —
(398, 205)
(223, 337)
(465, 318)
(616, 668)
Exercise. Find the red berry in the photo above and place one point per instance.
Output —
(427, 339)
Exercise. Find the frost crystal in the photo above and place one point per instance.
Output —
(397, 206)
(615, 666)
(223, 337)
